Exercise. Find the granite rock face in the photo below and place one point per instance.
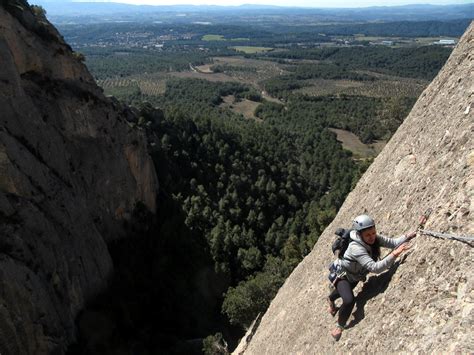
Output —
(425, 303)
(72, 170)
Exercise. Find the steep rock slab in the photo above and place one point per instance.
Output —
(71, 171)
(426, 304)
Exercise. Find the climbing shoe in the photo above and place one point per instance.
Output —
(337, 332)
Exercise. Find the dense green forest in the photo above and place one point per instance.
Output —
(259, 193)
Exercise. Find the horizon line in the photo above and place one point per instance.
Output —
(254, 4)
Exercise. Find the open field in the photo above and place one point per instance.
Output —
(251, 50)
(352, 143)
(244, 107)
(206, 68)
(271, 98)
(213, 38)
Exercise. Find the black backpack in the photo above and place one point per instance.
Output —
(342, 241)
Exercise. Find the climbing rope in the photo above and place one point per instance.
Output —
(468, 239)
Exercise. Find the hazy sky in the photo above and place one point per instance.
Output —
(303, 3)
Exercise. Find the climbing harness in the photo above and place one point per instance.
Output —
(468, 239)
(336, 273)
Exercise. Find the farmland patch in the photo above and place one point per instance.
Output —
(244, 107)
(251, 49)
(352, 143)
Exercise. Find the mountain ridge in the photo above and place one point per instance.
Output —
(432, 12)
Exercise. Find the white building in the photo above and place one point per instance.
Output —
(446, 42)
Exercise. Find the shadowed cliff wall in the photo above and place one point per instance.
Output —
(72, 169)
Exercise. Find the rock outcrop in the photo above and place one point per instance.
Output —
(425, 304)
(72, 169)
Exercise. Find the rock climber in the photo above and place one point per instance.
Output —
(360, 258)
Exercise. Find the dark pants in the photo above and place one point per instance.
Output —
(344, 289)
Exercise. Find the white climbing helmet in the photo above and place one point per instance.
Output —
(362, 222)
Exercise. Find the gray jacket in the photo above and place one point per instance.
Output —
(358, 262)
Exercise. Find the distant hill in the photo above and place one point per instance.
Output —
(58, 9)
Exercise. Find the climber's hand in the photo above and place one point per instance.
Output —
(411, 235)
(400, 249)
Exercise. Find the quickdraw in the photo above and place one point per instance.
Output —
(424, 218)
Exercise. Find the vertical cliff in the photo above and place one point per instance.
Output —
(426, 302)
(72, 169)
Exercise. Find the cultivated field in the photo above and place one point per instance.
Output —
(149, 84)
(206, 68)
(251, 49)
(203, 76)
(352, 143)
(213, 38)
(244, 107)
(264, 69)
